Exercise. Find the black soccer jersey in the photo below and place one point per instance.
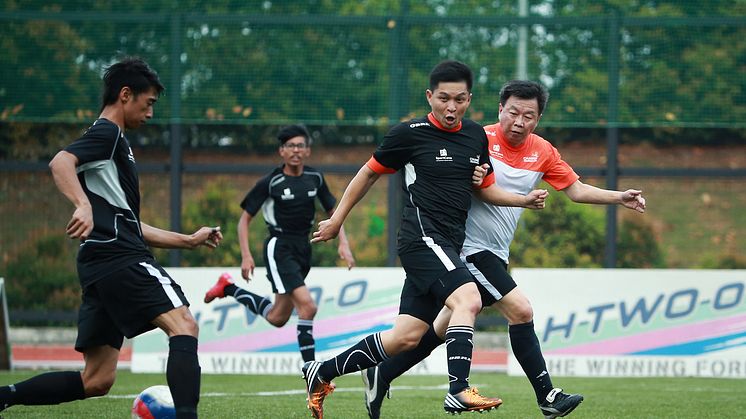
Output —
(437, 170)
(288, 202)
(108, 173)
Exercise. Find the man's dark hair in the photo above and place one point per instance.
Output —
(131, 72)
(450, 71)
(292, 131)
(525, 89)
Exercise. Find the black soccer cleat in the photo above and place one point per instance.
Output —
(559, 404)
(375, 390)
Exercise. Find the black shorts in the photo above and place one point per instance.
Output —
(124, 303)
(433, 274)
(491, 274)
(288, 260)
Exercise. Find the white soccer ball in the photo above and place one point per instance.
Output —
(154, 403)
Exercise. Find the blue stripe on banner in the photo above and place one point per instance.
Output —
(699, 347)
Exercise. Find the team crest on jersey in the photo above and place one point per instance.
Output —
(474, 160)
(495, 151)
(443, 155)
(286, 194)
(533, 158)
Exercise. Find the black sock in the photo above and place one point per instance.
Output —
(459, 347)
(527, 351)
(306, 343)
(183, 375)
(44, 389)
(364, 354)
(402, 362)
(255, 303)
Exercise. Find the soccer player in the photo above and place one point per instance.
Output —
(287, 197)
(520, 159)
(125, 291)
(438, 154)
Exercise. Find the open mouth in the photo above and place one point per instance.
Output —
(450, 119)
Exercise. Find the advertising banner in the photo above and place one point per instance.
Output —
(638, 322)
(351, 305)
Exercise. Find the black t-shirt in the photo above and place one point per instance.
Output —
(108, 174)
(437, 173)
(288, 202)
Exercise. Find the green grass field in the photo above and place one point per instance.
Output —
(272, 397)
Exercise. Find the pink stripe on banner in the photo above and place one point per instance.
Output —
(287, 334)
(657, 338)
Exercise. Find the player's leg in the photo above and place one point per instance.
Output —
(225, 286)
(146, 297)
(306, 308)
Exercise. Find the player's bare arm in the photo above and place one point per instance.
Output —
(589, 194)
(343, 249)
(495, 195)
(356, 190)
(247, 260)
(205, 236)
(66, 178)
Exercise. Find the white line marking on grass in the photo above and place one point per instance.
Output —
(293, 392)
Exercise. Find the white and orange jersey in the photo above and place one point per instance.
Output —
(517, 170)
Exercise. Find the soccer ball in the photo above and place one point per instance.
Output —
(154, 403)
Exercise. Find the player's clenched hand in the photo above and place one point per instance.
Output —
(479, 173)
(632, 199)
(81, 223)
(535, 199)
(208, 236)
(328, 230)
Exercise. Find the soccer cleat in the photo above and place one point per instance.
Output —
(469, 400)
(316, 388)
(218, 290)
(559, 404)
(375, 390)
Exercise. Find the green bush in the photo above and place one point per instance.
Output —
(43, 275)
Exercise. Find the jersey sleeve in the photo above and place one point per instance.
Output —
(325, 196)
(253, 200)
(97, 143)
(558, 173)
(393, 153)
(484, 157)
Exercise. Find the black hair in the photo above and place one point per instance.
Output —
(131, 72)
(451, 71)
(525, 89)
(292, 131)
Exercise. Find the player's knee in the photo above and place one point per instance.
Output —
(409, 341)
(190, 327)
(521, 314)
(307, 311)
(98, 386)
(278, 321)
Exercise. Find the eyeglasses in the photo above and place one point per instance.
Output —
(297, 146)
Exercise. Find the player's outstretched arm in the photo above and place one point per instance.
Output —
(589, 194)
(247, 260)
(496, 195)
(205, 236)
(356, 190)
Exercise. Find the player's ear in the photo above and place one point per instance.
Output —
(125, 94)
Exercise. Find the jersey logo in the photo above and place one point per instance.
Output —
(495, 151)
(474, 160)
(286, 194)
(533, 158)
(312, 193)
(130, 155)
(419, 124)
(443, 156)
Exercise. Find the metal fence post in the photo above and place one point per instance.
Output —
(612, 140)
(175, 133)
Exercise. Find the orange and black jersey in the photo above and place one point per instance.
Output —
(108, 175)
(437, 165)
(288, 203)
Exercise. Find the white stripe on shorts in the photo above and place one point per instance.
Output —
(165, 283)
(447, 262)
(482, 279)
(276, 280)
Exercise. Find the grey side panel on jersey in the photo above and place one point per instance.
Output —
(102, 178)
